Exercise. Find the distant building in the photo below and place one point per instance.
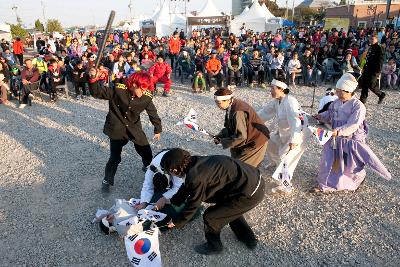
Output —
(361, 13)
(316, 4)
(239, 5)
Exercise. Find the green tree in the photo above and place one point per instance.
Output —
(342, 2)
(39, 26)
(18, 31)
(54, 25)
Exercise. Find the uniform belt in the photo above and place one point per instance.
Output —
(258, 185)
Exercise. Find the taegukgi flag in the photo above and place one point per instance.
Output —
(143, 248)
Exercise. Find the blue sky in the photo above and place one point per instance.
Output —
(84, 12)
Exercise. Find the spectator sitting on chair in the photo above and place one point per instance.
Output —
(9, 57)
(3, 90)
(199, 61)
(41, 65)
(79, 79)
(256, 69)
(30, 80)
(350, 65)
(199, 83)
(308, 62)
(55, 77)
(234, 69)
(213, 67)
(277, 64)
(147, 62)
(185, 64)
(294, 67)
(389, 71)
(161, 73)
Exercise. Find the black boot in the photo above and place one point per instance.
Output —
(243, 232)
(381, 97)
(213, 244)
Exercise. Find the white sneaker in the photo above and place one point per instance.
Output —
(22, 106)
(212, 89)
(31, 96)
(282, 188)
(78, 97)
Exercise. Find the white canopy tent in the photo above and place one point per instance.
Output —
(268, 13)
(209, 10)
(245, 10)
(166, 23)
(254, 19)
(5, 32)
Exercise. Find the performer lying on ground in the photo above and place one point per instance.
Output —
(346, 153)
(235, 188)
(159, 187)
(244, 133)
(123, 120)
(288, 141)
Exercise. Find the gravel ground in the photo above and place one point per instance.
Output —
(53, 158)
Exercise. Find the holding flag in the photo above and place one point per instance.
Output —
(190, 121)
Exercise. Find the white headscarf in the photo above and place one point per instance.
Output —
(347, 83)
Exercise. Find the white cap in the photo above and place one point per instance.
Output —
(347, 83)
(279, 84)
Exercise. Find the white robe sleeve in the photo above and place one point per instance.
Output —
(177, 182)
(147, 188)
(292, 111)
(268, 111)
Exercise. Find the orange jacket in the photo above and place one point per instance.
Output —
(213, 65)
(18, 47)
(174, 45)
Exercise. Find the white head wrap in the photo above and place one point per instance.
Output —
(279, 84)
(1, 77)
(222, 97)
(347, 83)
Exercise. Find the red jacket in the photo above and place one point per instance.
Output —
(18, 47)
(159, 70)
(174, 45)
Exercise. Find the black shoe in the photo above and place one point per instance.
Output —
(165, 94)
(144, 168)
(363, 100)
(205, 249)
(105, 187)
(251, 244)
(381, 97)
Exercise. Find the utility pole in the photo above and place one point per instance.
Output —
(293, 12)
(130, 9)
(287, 9)
(43, 11)
(14, 8)
(389, 3)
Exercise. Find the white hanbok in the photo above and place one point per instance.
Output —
(290, 129)
(148, 186)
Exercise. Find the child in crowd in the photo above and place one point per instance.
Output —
(389, 71)
(199, 83)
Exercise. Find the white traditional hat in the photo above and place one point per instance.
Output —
(279, 84)
(347, 83)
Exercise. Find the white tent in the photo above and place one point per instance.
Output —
(245, 10)
(5, 32)
(165, 22)
(209, 10)
(268, 13)
(254, 19)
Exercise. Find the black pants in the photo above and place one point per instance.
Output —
(20, 58)
(369, 82)
(80, 84)
(26, 90)
(234, 76)
(230, 211)
(115, 157)
(217, 77)
(277, 73)
(260, 76)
